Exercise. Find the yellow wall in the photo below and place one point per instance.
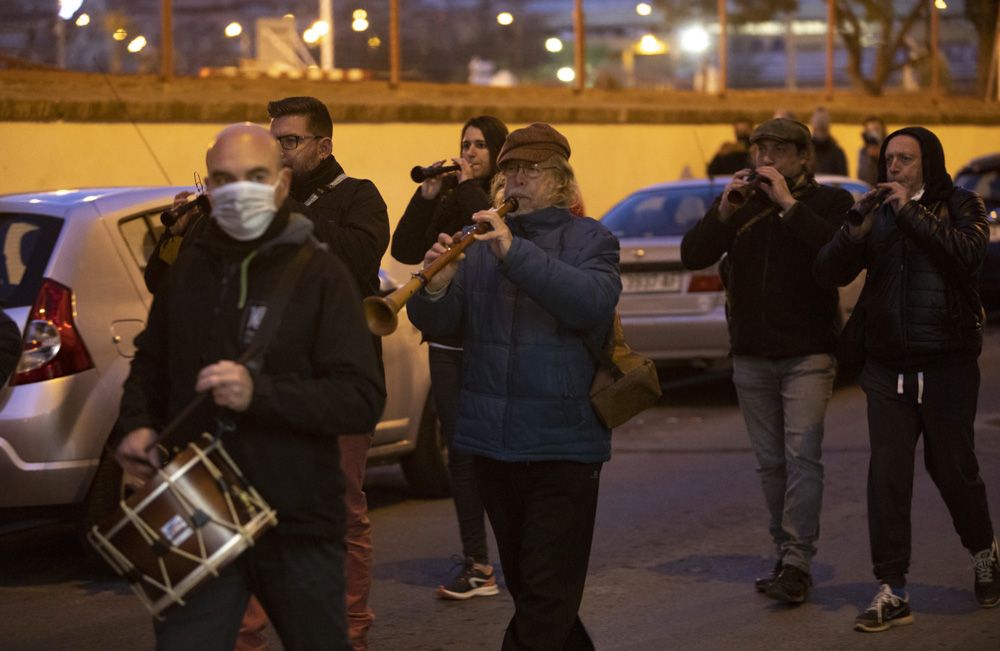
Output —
(610, 160)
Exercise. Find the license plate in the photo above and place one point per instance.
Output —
(651, 281)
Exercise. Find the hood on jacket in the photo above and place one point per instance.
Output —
(937, 181)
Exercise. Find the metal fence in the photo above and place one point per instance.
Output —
(583, 43)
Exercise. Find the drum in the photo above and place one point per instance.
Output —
(185, 524)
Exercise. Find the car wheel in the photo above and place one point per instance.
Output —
(426, 468)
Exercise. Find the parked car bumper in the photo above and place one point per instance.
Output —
(47, 456)
(690, 339)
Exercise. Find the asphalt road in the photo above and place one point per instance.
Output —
(681, 533)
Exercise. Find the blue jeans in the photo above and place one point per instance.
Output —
(784, 403)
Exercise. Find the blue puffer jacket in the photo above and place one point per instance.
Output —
(526, 371)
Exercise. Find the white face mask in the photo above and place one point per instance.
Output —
(243, 209)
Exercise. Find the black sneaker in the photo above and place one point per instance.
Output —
(764, 582)
(987, 566)
(791, 585)
(473, 580)
(886, 610)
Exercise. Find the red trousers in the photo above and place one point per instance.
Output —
(359, 558)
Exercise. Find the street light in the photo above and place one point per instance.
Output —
(694, 39)
(643, 9)
(359, 24)
(505, 18)
(68, 7)
(566, 74)
(233, 30)
(120, 34)
(321, 27)
(137, 44)
(315, 32)
(649, 44)
(553, 44)
(941, 4)
(82, 20)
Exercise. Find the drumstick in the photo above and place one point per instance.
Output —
(190, 408)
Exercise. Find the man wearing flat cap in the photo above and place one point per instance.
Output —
(767, 228)
(523, 299)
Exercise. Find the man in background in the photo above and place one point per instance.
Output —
(829, 157)
(733, 156)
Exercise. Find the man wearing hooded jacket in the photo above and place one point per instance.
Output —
(350, 217)
(317, 378)
(923, 329)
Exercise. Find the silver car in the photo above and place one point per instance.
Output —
(71, 265)
(670, 314)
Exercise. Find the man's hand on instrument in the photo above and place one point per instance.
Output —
(230, 383)
(738, 182)
(137, 454)
(898, 197)
(179, 226)
(777, 190)
(431, 186)
(500, 238)
(442, 278)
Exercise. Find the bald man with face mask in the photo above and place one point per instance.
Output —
(317, 377)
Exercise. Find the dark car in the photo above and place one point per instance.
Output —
(982, 175)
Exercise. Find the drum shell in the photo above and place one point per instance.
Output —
(193, 518)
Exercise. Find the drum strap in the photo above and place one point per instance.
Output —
(253, 357)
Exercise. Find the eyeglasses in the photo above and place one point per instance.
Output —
(531, 170)
(288, 143)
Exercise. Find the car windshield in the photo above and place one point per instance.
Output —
(26, 242)
(661, 212)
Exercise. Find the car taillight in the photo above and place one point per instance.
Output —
(705, 283)
(52, 346)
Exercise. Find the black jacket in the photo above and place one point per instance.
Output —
(319, 376)
(168, 247)
(829, 157)
(449, 212)
(774, 307)
(731, 158)
(425, 219)
(350, 218)
(922, 306)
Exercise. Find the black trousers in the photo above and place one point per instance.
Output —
(543, 517)
(899, 411)
(298, 579)
(446, 380)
